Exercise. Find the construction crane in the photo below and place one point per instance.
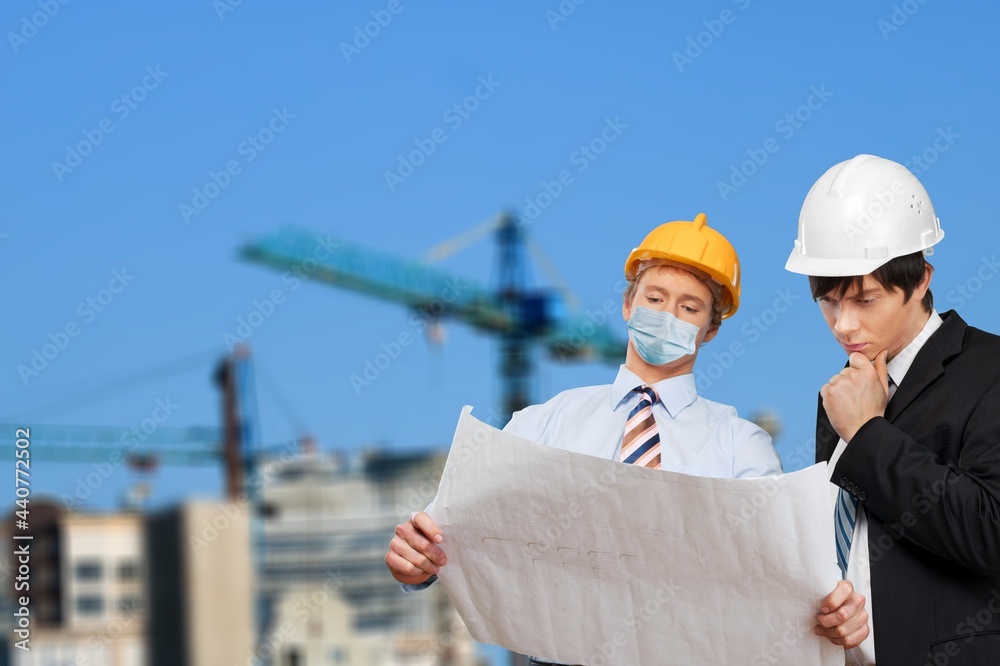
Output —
(234, 446)
(519, 316)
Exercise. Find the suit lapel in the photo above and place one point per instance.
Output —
(928, 364)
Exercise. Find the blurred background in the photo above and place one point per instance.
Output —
(255, 258)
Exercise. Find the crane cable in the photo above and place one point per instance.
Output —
(114, 388)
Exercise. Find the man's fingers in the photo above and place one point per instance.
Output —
(413, 552)
(847, 635)
(858, 361)
(846, 626)
(843, 618)
(850, 615)
(855, 639)
(881, 369)
(410, 561)
(849, 641)
(409, 535)
(841, 593)
(400, 566)
(427, 526)
(404, 571)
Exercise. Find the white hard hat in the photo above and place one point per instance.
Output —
(859, 215)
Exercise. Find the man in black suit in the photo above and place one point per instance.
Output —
(910, 427)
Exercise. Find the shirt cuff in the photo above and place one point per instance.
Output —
(422, 586)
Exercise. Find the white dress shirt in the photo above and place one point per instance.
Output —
(858, 563)
(697, 436)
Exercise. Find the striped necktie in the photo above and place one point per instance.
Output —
(641, 442)
(844, 517)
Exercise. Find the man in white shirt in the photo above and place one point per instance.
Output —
(683, 280)
(910, 427)
(687, 274)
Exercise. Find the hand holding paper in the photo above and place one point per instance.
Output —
(414, 555)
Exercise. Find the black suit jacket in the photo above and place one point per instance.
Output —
(928, 476)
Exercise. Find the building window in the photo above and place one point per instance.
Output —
(89, 604)
(130, 604)
(128, 570)
(89, 570)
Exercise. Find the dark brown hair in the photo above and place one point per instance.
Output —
(903, 273)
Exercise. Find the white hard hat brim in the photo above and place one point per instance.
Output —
(817, 267)
(835, 267)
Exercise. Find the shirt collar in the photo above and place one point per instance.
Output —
(675, 393)
(901, 362)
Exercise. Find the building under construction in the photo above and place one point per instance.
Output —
(183, 587)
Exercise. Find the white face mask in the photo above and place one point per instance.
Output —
(660, 337)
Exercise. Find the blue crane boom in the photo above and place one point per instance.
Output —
(378, 274)
(191, 446)
(519, 317)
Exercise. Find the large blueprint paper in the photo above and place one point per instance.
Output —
(589, 561)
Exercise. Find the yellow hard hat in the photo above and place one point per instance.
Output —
(695, 245)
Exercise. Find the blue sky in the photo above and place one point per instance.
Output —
(308, 118)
